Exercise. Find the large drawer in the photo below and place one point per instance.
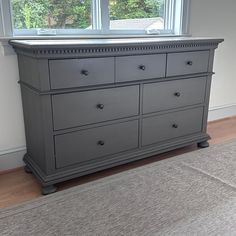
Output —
(130, 68)
(173, 94)
(161, 128)
(187, 63)
(90, 144)
(82, 108)
(81, 72)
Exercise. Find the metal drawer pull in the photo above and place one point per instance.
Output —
(142, 67)
(177, 94)
(101, 143)
(84, 72)
(189, 63)
(100, 106)
(175, 126)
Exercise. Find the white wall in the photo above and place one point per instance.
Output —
(215, 18)
(12, 137)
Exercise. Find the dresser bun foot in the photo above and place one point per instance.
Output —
(49, 189)
(203, 144)
(27, 170)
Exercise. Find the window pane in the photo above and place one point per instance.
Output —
(55, 14)
(137, 14)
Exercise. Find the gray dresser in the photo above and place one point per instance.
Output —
(97, 103)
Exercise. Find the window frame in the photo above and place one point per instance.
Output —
(176, 15)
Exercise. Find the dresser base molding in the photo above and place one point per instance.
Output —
(49, 189)
(203, 144)
(28, 170)
(61, 175)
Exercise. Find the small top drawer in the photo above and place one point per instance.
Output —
(81, 72)
(187, 63)
(131, 68)
(89, 107)
(173, 94)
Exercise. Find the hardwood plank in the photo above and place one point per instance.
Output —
(222, 130)
(16, 186)
(9, 171)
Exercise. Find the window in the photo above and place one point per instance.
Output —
(51, 14)
(75, 17)
(138, 15)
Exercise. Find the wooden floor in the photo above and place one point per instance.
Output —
(16, 186)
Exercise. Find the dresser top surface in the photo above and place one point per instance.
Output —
(45, 43)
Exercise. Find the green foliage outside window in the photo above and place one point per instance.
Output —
(77, 13)
(131, 9)
(51, 14)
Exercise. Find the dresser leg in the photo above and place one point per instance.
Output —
(203, 144)
(27, 170)
(49, 189)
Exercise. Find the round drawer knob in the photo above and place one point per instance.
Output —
(177, 94)
(84, 72)
(175, 126)
(100, 106)
(189, 63)
(142, 67)
(101, 143)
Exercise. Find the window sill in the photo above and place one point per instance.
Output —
(93, 36)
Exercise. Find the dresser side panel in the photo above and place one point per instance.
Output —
(33, 127)
(208, 91)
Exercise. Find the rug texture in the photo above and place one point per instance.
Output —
(191, 194)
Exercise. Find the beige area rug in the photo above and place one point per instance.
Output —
(191, 194)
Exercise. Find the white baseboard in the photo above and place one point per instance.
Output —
(220, 112)
(12, 158)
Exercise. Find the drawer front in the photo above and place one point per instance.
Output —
(82, 108)
(173, 94)
(187, 63)
(172, 125)
(81, 72)
(132, 68)
(90, 144)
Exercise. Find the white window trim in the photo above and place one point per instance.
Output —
(186, 8)
(101, 21)
(5, 17)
